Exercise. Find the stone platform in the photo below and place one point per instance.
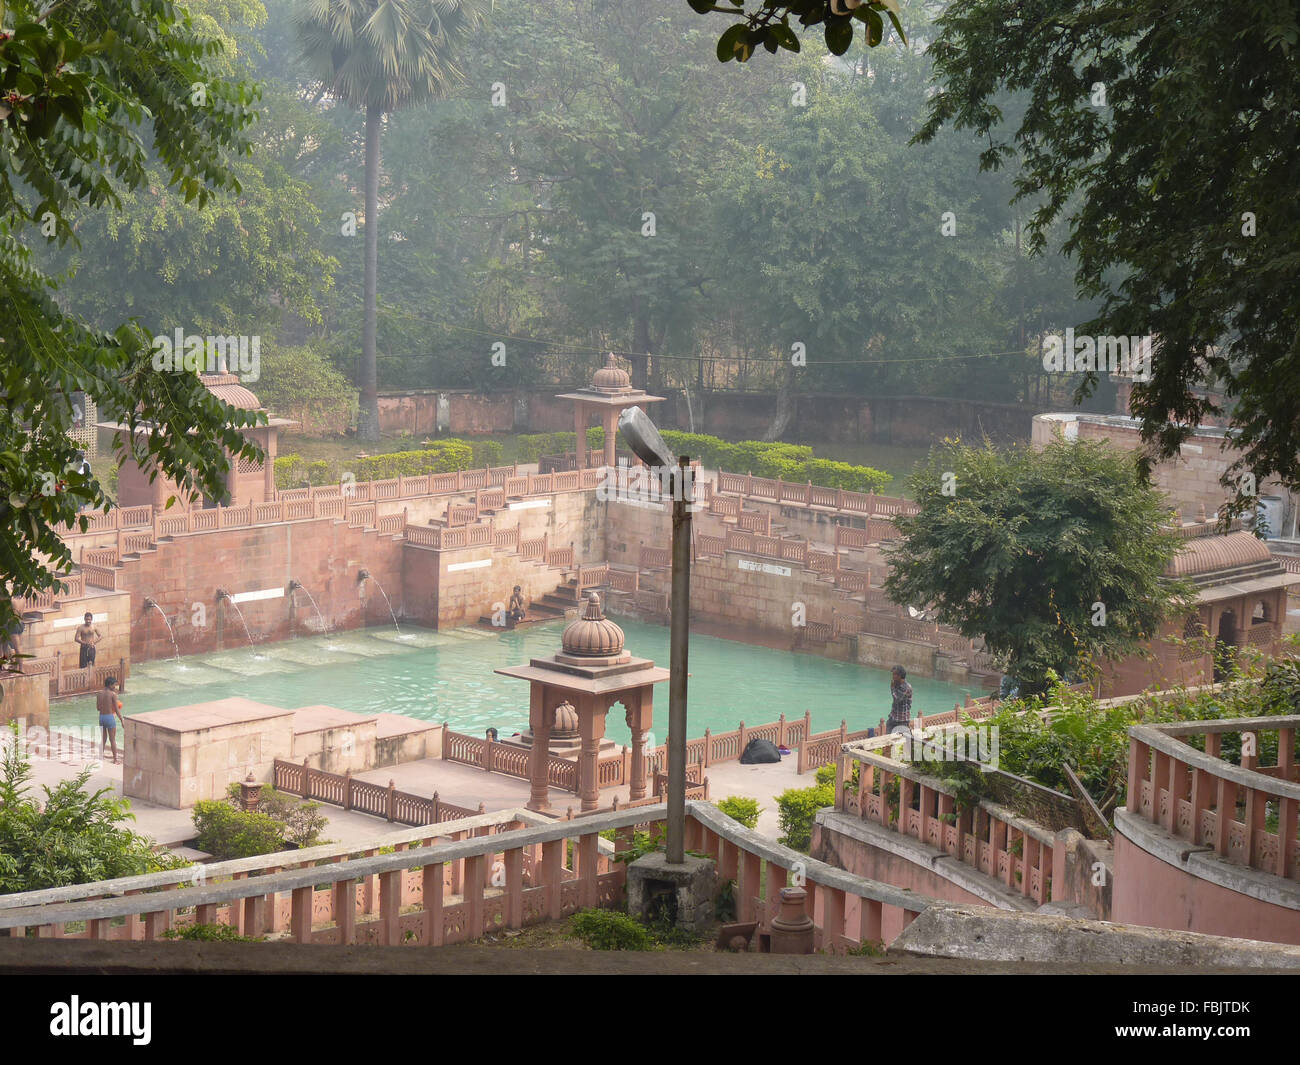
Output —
(184, 754)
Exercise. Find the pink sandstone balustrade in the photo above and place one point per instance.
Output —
(1202, 799)
(989, 838)
(339, 789)
(431, 893)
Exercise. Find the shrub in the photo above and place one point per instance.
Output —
(290, 471)
(302, 383)
(486, 453)
(607, 930)
(789, 462)
(302, 821)
(797, 808)
(208, 933)
(225, 832)
(532, 446)
(72, 837)
(741, 809)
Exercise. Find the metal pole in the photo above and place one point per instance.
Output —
(679, 638)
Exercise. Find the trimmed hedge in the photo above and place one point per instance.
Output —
(742, 809)
(789, 462)
(441, 456)
(225, 832)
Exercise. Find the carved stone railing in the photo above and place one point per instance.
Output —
(898, 797)
(445, 884)
(1247, 814)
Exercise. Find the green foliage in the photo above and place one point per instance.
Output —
(1142, 192)
(486, 454)
(643, 843)
(302, 821)
(225, 832)
(1094, 740)
(766, 24)
(607, 930)
(92, 101)
(790, 462)
(301, 383)
(797, 807)
(741, 809)
(72, 837)
(1019, 546)
(209, 933)
(532, 446)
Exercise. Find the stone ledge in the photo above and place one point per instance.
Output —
(976, 934)
(28, 957)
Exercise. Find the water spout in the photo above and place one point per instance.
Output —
(223, 594)
(152, 604)
(362, 577)
(297, 586)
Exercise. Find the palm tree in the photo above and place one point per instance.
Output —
(381, 56)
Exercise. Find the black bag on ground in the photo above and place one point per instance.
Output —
(759, 751)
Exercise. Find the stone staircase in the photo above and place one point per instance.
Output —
(555, 605)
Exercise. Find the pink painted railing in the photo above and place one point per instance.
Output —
(806, 494)
(712, 748)
(493, 757)
(70, 680)
(655, 558)
(340, 789)
(1209, 802)
(455, 882)
(988, 837)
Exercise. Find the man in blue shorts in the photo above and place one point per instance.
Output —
(110, 713)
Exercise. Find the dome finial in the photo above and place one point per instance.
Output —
(593, 634)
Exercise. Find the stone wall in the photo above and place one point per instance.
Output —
(326, 555)
(1190, 480)
(26, 699)
(54, 633)
(899, 420)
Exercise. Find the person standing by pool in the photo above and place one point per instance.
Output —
(900, 712)
(110, 713)
(87, 636)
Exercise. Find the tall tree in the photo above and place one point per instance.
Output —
(1169, 144)
(382, 56)
(1055, 556)
(76, 83)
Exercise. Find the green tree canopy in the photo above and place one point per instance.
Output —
(91, 95)
(1168, 142)
(72, 837)
(1054, 556)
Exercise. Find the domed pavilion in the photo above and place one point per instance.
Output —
(247, 481)
(1240, 601)
(574, 690)
(608, 394)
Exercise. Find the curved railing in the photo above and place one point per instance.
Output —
(432, 893)
(1247, 814)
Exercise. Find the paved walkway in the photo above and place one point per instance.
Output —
(458, 784)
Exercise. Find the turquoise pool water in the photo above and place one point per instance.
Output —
(447, 676)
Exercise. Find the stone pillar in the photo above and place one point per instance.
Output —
(611, 427)
(580, 432)
(636, 782)
(540, 722)
(268, 469)
(591, 727)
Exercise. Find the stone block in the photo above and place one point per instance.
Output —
(691, 885)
